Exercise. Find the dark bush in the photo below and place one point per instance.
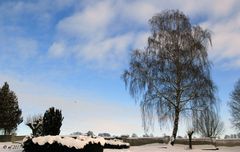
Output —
(52, 121)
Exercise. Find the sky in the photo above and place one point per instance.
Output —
(70, 54)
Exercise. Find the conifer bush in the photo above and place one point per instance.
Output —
(52, 121)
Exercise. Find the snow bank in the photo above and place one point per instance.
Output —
(61, 143)
(178, 148)
(70, 142)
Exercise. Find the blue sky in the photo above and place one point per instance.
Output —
(70, 54)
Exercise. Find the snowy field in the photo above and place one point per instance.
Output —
(13, 147)
(176, 148)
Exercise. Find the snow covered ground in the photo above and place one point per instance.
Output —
(14, 147)
(176, 148)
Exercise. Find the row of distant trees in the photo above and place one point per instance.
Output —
(232, 136)
(11, 116)
(90, 133)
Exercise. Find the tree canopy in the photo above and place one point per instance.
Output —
(52, 122)
(171, 76)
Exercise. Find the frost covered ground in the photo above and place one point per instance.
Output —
(13, 147)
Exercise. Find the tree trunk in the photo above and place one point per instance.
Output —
(190, 139)
(175, 127)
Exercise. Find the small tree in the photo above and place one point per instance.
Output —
(76, 133)
(190, 133)
(10, 113)
(226, 137)
(35, 123)
(52, 121)
(209, 123)
(90, 133)
(134, 135)
(235, 105)
(104, 135)
(146, 135)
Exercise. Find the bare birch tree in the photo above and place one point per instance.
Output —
(171, 76)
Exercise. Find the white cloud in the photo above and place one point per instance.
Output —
(93, 44)
(106, 53)
(212, 9)
(91, 22)
(141, 40)
(140, 11)
(107, 50)
(222, 8)
(90, 28)
(226, 34)
(99, 31)
(57, 49)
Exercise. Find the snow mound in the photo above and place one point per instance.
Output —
(78, 142)
(70, 142)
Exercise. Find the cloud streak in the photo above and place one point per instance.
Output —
(84, 34)
(89, 23)
(225, 41)
(106, 30)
